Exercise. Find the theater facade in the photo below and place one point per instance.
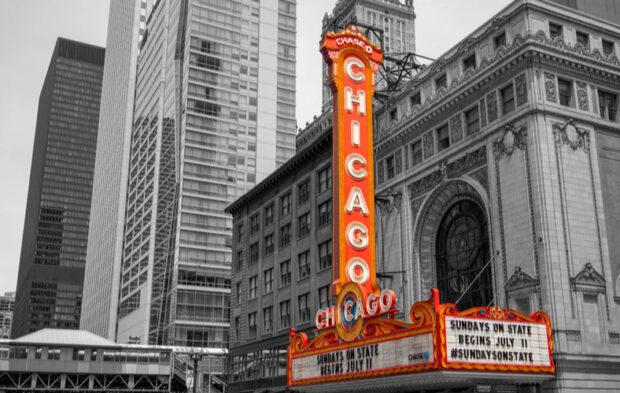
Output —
(496, 177)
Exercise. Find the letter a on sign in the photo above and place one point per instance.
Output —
(353, 63)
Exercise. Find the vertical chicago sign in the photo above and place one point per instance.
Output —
(359, 338)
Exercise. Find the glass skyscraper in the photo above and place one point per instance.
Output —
(126, 25)
(51, 269)
(214, 114)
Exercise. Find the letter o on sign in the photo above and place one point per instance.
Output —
(357, 270)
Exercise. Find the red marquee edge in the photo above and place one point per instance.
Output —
(427, 317)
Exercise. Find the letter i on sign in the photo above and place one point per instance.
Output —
(353, 63)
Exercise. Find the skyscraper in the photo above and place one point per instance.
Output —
(51, 269)
(7, 306)
(105, 241)
(214, 113)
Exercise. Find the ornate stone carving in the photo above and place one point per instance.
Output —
(521, 89)
(550, 92)
(456, 129)
(491, 106)
(468, 162)
(482, 176)
(398, 161)
(588, 279)
(428, 143)
(483, 114)
(569, 134)
(463, 165)
(582, 96)
(415, 207)
(511, 138)
(520, 280)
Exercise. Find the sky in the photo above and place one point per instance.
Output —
(28, 32)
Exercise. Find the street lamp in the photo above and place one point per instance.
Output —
(195, 357)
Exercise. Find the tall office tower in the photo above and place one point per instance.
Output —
(394, 19)
(51, 268)
(126, 25)
(7, 306)
(214, 113)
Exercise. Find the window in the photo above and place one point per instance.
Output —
(303, 192)
(394, 114)
(239, 259)
(253, 286)
(285, 204)
(469, 62)
(269, 214)
(555, 30)
(268, 244)
(324, 297)
(285, 235)
(237, 327)
(252, 324)
(253, 253)
(592, 319)
(415, 100)
(608, 105)
(416, 153)
(238, 292)
(325, 255)
(285, 272)
(441, 81)
(303, 301)
(390, 167)
(473, 120)
(443, 136)
(268, 280)
(325, 179)
(254, 224)
(303, 260)
(325, 213)
(508, 99)
(565, 91)
(285, 314)
(267, 319)
(304, 225)
(499, 40)
(608, 47)
(583, 39)
(53, 354)
(240, 232)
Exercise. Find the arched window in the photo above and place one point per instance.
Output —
(462, 249)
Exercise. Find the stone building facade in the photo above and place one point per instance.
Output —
(502, 156)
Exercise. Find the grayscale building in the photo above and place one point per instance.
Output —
(105, 240)
(213, 114)
(7, 306)
(51, 268)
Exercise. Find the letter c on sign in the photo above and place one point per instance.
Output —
(350, 161)
(355, 76)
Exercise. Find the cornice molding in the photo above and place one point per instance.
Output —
(531, 47)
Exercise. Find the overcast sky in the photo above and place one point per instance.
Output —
(28, 32)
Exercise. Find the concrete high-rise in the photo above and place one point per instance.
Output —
(214, 114)
(51, 269)
(105, 241)
(7, 306)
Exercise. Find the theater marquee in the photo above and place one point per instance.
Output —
(358, 340)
